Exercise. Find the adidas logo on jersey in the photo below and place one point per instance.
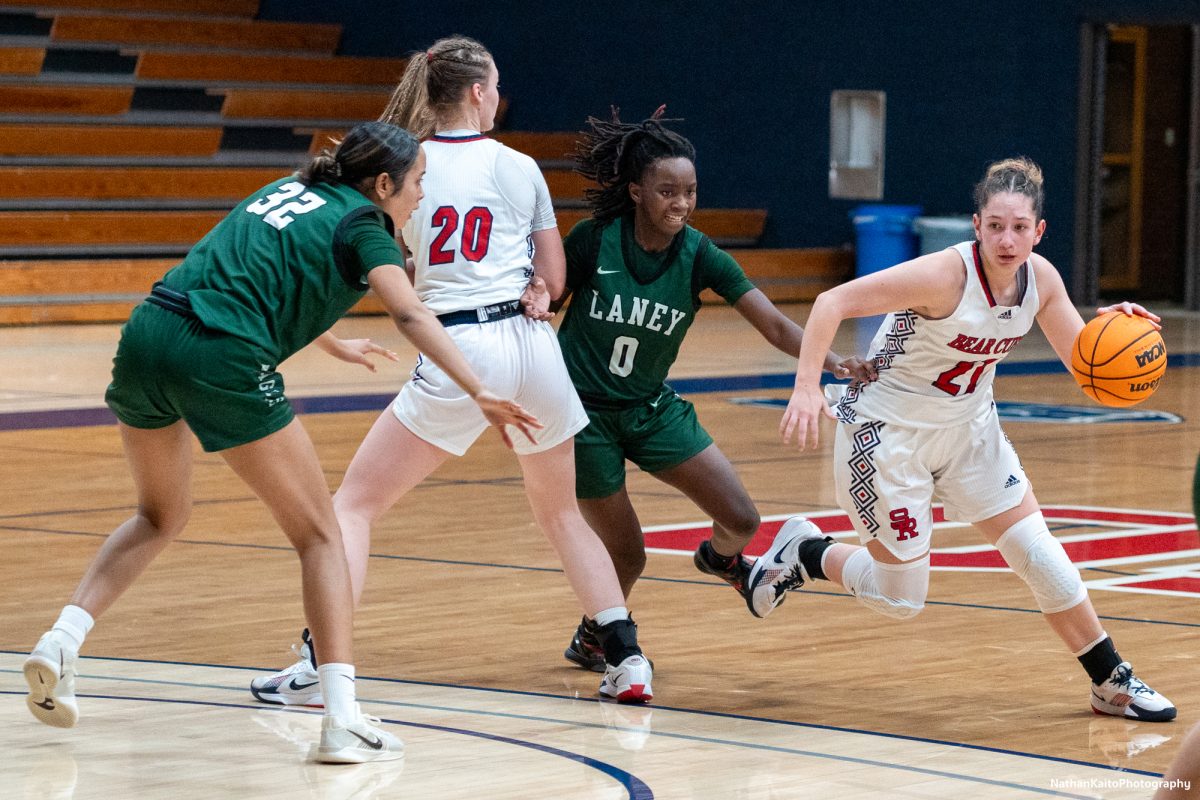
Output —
(1011, 482)
(1005, 314)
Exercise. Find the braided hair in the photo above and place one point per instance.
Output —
(434, 82)
(615, 154)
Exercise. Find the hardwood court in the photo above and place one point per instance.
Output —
(466, 614)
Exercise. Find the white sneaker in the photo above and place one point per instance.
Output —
(1124, 695)
(297, 685)
(50, 673)
(357, 742)
(629, 681)
(778, 571)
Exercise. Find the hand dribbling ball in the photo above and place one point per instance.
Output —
(1118, 359)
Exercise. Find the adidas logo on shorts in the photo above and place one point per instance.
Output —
(1011, 482)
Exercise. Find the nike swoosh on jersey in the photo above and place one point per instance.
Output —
(603, 271)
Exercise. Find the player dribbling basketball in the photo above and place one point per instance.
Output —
(928, 425)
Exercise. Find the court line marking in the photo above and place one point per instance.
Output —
(327, 404)
(656, 579)
(549, 696)
(574, 723)
(637, 788)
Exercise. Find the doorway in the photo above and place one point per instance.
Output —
(1139, 161)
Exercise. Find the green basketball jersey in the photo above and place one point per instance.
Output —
(286, 263)
(631, 309)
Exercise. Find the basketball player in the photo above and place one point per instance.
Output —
(470, 241)
(200, 355)
(636, 269)
(929, 425)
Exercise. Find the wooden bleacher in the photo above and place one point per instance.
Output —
(129, 127)
(21, 60)
(24, 98)
(106, 140)
(176, 32)
(277, 68)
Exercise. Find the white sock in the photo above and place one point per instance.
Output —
(75, 624)
(611, 615)
(337, 690)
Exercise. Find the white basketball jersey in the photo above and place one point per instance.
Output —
(939, 372)
(470, 236)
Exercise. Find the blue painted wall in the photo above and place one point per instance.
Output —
(966, 83)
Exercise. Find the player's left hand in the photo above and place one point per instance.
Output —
(500, 412)
(355, 351)
(535, 300)
(1133, 310)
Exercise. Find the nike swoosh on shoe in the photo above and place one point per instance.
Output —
(374, 744)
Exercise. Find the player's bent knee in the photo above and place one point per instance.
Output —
(1039, 559)
(897, 591)
(891, 606)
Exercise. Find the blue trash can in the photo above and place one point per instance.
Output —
(884, 236)
(938, 233)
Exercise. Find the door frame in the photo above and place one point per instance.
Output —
(1089, 147)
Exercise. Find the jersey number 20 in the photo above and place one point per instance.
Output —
(476, 234)
(280, 216)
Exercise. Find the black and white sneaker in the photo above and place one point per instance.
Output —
(1124, 695)
(356, 742)
(779, 571)
(584, 649)
(297, 685)
(737, 575)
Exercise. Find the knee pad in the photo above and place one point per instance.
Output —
(894, 590)
(1039, 560)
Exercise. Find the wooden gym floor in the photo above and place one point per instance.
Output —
(466, 612)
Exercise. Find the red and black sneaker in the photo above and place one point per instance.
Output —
(733, 571)
(584, 649)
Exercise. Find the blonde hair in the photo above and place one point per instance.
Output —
(434, 81)
(1018, 175)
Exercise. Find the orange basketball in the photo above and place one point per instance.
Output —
(1118, 360)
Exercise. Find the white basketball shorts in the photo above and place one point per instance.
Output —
(886, 476)
(518, 358)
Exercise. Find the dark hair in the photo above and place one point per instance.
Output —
(369, 148)
(1016, 175)
(615, 154)
(434, 81)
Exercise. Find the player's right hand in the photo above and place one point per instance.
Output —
(500, 412)
(803, 416)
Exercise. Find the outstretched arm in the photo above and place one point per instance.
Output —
(931, 285)
(785, 335)
(353, 351)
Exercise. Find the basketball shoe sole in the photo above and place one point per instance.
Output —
(50, 672)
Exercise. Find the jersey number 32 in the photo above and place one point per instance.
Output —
(279, 208)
